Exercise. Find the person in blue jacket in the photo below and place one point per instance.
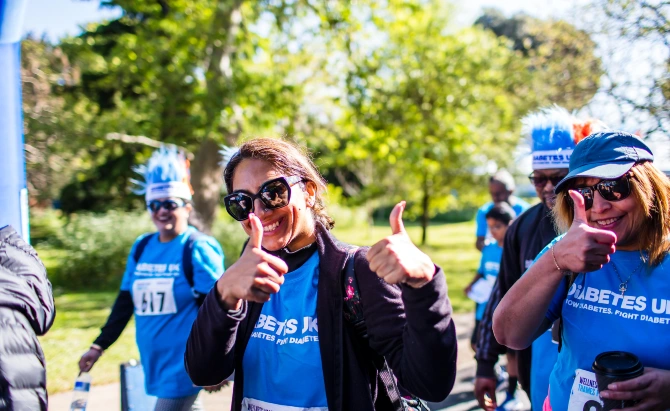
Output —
(163, 284)
(607, 277)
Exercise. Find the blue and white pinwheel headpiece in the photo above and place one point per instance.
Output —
(551, 136)
(166, 174)
(553, 133)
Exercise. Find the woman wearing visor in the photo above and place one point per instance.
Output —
(167, 275)
(607, 277)
(277, 318)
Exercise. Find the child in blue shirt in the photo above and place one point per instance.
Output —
(498, 219)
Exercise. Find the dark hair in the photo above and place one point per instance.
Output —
(502, 212)
(288, 159)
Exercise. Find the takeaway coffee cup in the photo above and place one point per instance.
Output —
(613, 366)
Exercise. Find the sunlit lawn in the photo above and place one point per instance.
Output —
(78, 320)
(80, 315)
(451, 246)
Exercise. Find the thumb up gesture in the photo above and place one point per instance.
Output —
(255, 276)
(396, 259)
(584, 248)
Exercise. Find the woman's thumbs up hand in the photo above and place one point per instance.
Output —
(584, 248)
(255, 276)
(396, 259)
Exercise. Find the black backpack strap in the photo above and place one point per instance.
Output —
(353, 314)
(187, 263)
(141, 245)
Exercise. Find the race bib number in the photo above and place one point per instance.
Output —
(584, 394)
(154, 296)
(250, 404)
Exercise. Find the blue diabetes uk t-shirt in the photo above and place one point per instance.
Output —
(165, 307)
(489, 266)
(282, 361)
(597, 318)
(518, 205)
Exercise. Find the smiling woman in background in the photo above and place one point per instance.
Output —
(168, 273)
(607, 277)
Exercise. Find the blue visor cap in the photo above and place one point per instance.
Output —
(606, 155)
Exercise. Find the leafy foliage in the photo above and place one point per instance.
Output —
(92, 248)
(635, 37)
(426, 107)
(54, 120)
(566, 69)
(394, 102)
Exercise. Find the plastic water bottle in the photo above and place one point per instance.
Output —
(82, 386)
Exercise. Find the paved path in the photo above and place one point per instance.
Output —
(462, 396)
(107, 397)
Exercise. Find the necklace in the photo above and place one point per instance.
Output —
(623, 286)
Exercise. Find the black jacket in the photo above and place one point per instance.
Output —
(26, 310)
(525, 238)
(412, 328)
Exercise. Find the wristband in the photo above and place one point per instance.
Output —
(97, 348)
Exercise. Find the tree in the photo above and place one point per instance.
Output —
(52, 118)
(428, 106)
(191, 73)
(635, 41)
(425, 107)
(566, 69)
(391, 99)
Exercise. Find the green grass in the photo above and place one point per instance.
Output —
(79, 316)
(451, 246)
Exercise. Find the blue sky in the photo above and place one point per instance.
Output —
(58, 18)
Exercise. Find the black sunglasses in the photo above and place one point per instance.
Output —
(169, 205)
(275, 193)
(541, 180)
(611, 190)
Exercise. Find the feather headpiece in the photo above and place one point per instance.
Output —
(553, 133)
(227, 153)
(166, 174)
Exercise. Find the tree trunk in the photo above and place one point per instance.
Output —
(206, 173)
(219, 69)
(206, 179)
(425, 203)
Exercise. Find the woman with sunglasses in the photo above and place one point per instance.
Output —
(277, 317)
(167, 275)
(607, 277)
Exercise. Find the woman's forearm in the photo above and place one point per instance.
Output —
(209, 356)
(122, 312)
(523, 309)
